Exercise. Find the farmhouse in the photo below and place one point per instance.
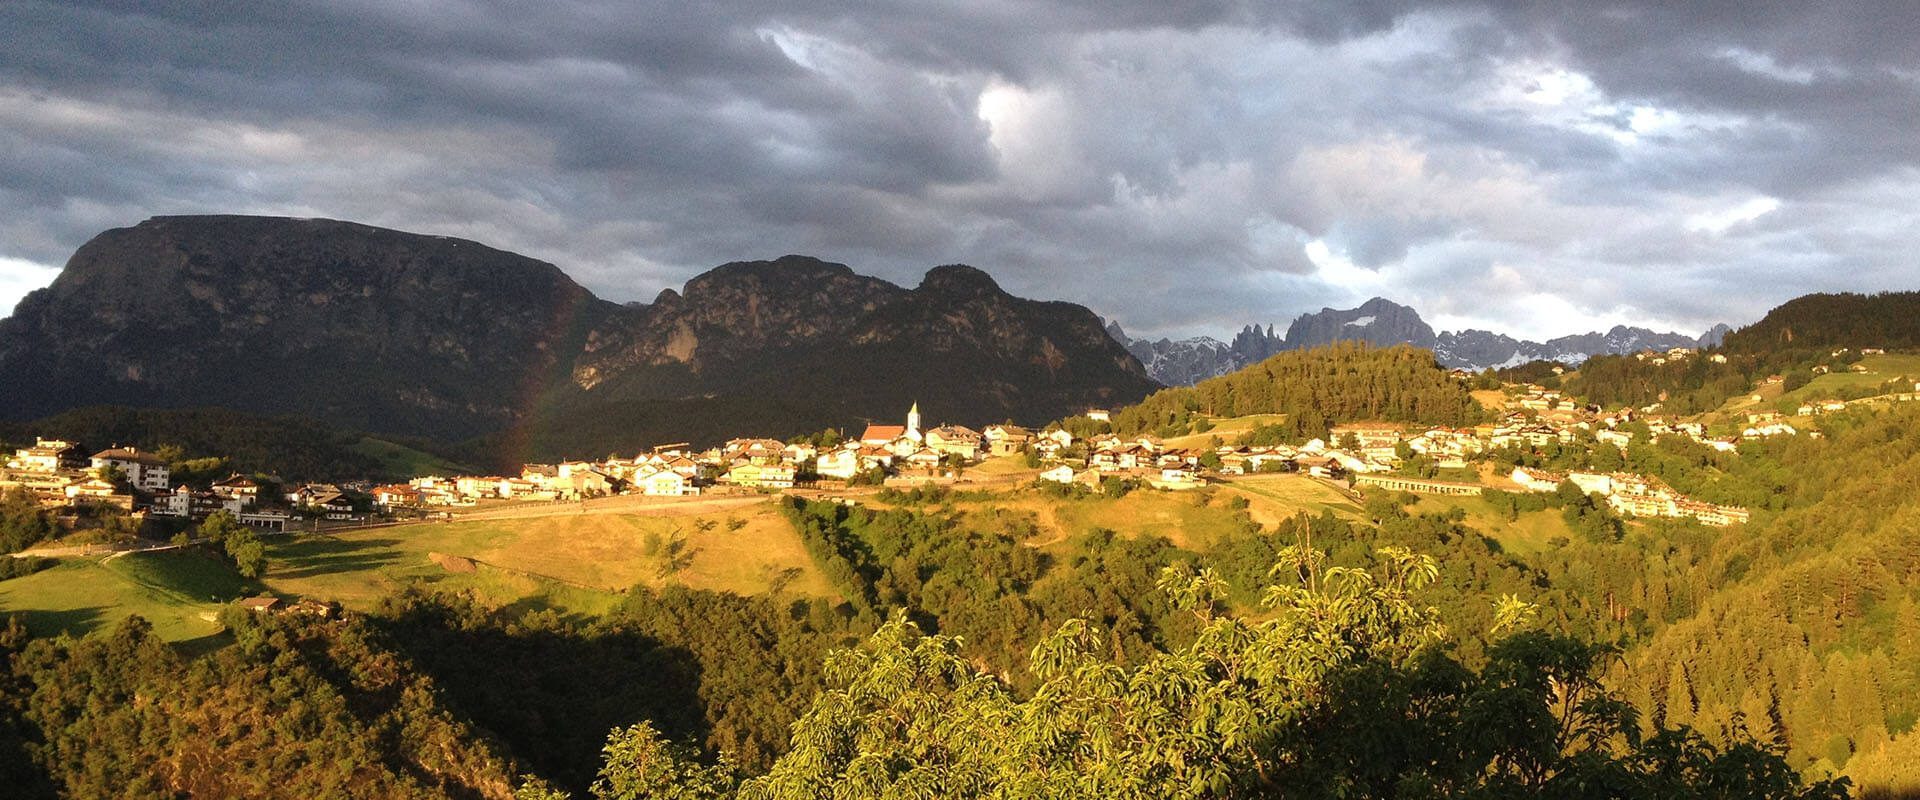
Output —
(145, 471)
(954, 440)
(46, 456)
(1006, 440)
(759, 476)
(667, 483)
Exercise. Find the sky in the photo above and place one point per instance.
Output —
(1534, 168)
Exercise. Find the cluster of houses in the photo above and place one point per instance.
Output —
(1675, 354)
(1537, 416)
(1349, 450)
(882, 452)
(55, 473)
(140, 484)
(1633, 495)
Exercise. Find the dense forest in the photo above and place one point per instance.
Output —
(1888, 320)
(1342, 382)
(1791, 341)
(208, 440)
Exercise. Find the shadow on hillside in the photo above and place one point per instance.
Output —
(317, 557)
(550, 694)
(49, 622)
(202, 645)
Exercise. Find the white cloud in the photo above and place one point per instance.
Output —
(1720, 220)
(19, 276)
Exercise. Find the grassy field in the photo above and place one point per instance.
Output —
(1228, 430)
(1272, 498)
(181, 593)
(1492, 399)
(399, 459)
(1188, 519)
(1006, 467)
(1531, 533)
(581, 560)
(1880, 369)
(576, 563)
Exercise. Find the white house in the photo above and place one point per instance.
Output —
(666, 483)
(145, 471)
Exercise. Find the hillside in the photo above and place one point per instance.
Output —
(294, 448)
(1887, 320)
(797, 344)
(366, 328)
(1343, 382)
(401, 334)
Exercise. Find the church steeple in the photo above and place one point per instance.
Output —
(913, 420)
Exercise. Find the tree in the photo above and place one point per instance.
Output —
(641, 764)
(241, 545)
(1343, 688)
(218, 525)
(22, 522)
(112, 473)
(248, 553)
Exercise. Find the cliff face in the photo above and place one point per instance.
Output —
(1381, 322)
(1377, 321)
(365, 327)
(392, 332)
(771, 347)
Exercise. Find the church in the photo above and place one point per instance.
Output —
(886, 435)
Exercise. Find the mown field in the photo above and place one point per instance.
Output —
(578, 563)
(1533, 532)
(1228, 429)
(580, 560)
(181, 593)
(1879, 370)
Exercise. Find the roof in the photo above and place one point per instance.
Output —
(883, 433)
(130, 454)
(261, 603)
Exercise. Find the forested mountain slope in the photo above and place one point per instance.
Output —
(1342, 382)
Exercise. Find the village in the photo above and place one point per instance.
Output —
(1081, 454)
(1352, 457)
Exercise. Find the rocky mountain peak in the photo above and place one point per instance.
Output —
(786, 274)
(375, 329)
(1377, 321)
(960, 280)
(392, 332)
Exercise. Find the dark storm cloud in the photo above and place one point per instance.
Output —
(1179, 166)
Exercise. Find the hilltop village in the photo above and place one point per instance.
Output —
(1079, 454)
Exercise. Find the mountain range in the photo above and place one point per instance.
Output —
(1181, 362)
(398, 333)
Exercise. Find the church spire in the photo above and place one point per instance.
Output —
(913, 419)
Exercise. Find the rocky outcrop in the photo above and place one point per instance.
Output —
(391, 332)
(1379, 321)
(813, 345)
(369, 328)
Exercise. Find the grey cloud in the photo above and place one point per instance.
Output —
(1163, 162)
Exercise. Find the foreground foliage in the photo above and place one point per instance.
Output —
(296, 708)
(1343, 689)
